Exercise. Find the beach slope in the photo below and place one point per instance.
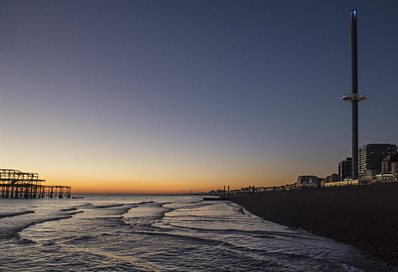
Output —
(363, 216)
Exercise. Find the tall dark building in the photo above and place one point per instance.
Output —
(394, 165)
(345, 169)
(371, 157)
(386, 165)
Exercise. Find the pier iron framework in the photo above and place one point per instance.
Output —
(18, 184)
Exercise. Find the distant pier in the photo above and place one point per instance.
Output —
(18, 184)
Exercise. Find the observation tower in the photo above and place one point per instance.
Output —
(354, 97)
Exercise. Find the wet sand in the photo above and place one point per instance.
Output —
(363, 216)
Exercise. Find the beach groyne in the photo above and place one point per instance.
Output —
(363, 216)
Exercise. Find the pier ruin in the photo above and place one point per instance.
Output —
(18, 184)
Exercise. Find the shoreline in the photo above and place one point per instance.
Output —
(363, 216)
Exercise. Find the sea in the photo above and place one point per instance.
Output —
(160, 233)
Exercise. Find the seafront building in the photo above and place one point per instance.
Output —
(394, 165)
(389, 168)
(377, 163)
(388, 162)
(332, 178)
(371, 157)
(386, 165)
(345, 169)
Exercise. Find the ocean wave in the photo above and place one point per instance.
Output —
(183, 237)
(15, 230)
(114, 205)
(257, 233)
(262, 234)
(81, 239)
(191, 205)
(69, 209)
(150, 213)
(276, 260)
(108, 206)
(119, 235)
(11, 214)
(134, 263)
(163, 213)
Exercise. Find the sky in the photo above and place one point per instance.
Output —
(172, 96)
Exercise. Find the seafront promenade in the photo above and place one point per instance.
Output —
(363, 216)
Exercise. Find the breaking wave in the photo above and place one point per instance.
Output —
(169, 233)
(11, 214)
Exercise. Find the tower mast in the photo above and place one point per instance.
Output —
(354, 98)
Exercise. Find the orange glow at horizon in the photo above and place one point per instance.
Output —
(156, 187)
(145, 175)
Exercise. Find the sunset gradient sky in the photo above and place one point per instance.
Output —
(168, 96)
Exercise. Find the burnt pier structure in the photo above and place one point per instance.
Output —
(18, 184)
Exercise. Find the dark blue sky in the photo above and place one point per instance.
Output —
(201, 92)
